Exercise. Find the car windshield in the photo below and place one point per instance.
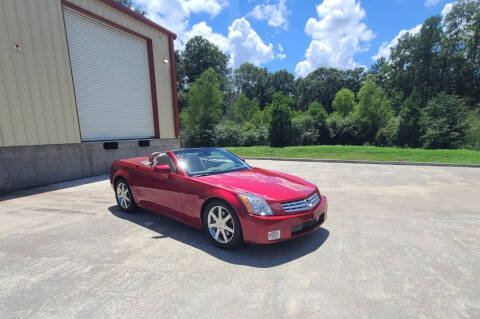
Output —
(209, 161)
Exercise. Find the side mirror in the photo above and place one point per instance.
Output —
(163, 171)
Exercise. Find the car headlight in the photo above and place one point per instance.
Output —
(255, 205)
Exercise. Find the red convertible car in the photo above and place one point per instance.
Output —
(214, 190)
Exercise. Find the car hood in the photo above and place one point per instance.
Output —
(271, 185)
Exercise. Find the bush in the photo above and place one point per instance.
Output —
(304, 130)
(254, 135)
(345, 130)
(280, 124)
(472, 134)
(445, 122)
(228, 133)
(410, 126)
(387, 135)
(319, 116)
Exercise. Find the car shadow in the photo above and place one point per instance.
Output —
(260, 256)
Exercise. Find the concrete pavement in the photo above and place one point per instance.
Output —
(399, 242)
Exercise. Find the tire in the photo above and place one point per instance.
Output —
(229, 233)
(124, 196)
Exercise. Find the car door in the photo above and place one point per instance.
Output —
(157, 193)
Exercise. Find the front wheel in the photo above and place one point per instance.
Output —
(222, 225)
(124, 196)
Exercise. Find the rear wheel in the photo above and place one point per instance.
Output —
(222, 224)
(124, 196)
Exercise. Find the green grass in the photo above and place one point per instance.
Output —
(368, 153)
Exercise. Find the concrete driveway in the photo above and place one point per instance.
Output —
(400, 242)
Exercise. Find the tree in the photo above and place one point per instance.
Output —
(252, 81)
(243, 109)
(280, 125)
(199, 55)
(322, 84)
(204, 109)
(304, 130)
(472, 135)
(445, 122)
(319, 116)
(373, 109)
(344, 101)
(129, 4)
(426, 53)
(410, 126)
(280, 81)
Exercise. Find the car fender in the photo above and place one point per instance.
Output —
(225, 195)
(125, 174)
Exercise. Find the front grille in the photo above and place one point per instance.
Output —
(302, 204)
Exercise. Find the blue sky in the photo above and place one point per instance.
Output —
(298, 35)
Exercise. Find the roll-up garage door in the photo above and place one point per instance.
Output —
(111, 77)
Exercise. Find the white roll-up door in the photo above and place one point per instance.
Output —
(111, 77)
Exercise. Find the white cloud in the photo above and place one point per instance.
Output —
(384, 50)
(246, 45)
(242, 43)
(446, 9)
(204, 30)
(275, 14)
(337, 36)
(212, 7)
(429, 3)
(174, 14)
(280, 55)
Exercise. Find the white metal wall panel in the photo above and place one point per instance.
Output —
(111, 77)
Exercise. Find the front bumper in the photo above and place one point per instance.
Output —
(256, 228)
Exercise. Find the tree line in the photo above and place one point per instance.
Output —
(426, 94)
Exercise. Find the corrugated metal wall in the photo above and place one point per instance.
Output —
(160, 50)
(37, 104)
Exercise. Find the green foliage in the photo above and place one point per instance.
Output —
(322, 84)
(410, 126)
(204, 109)
(373, 109)
(345, 129)
(418, 96)
(445, 123)
(199, 55)
(129, 4)
(280, 124)
(304, 130)
(472, 134)
(254, 135)
(344, 101)
(387, 135)
(319, 116)
(228, 133)
(252, 81)
(244, 109)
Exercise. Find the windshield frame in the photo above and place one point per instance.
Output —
(178, 155)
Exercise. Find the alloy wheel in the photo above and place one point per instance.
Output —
(220, 224)
(123, 195)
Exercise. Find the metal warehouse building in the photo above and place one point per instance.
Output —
(82, 82)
